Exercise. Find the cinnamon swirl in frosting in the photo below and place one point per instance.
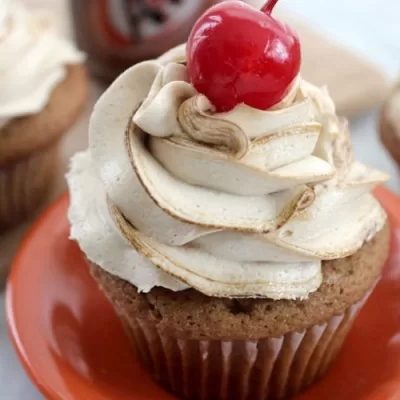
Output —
(246, 203)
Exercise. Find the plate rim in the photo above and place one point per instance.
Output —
(387, 198)
(9, 295)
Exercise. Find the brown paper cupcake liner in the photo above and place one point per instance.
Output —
(24, 185)
(265, 369)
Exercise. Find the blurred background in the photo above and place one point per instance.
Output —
(353, 46)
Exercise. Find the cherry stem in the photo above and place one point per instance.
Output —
(269, 6)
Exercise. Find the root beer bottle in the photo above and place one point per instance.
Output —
(119, 33)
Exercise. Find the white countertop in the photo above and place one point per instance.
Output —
(364, 25)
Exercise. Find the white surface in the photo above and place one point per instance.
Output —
(369, 26)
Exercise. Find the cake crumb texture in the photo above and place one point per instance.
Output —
(190, 314)
(22, 136)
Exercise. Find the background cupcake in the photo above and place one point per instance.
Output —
(236, 244)
(390, 124)
(42, 92)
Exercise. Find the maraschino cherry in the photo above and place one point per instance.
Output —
(238, 54)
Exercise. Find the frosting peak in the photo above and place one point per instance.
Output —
(239, 204)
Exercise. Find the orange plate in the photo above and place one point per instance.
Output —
(73, 347)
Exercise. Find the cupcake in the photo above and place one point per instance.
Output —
(42, 92)
(390, 124)
(233, 232)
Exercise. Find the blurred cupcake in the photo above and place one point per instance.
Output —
(42, 92)
(390, 124)
(237, 247)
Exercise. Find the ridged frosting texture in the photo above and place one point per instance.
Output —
(33, 59)
(239, 204)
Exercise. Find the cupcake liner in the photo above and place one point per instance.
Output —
(265, 369)
(24, 185)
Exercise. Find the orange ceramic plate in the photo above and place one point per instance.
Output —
(73, 347)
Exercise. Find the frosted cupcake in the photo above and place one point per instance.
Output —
(236, 243)
(42, 92)
(390, 124)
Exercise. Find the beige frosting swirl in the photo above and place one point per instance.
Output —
(239, 204)
(33, 60)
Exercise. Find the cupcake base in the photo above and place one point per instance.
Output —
(25, 184)
(271, 368)
(29, 149)
(209, 348)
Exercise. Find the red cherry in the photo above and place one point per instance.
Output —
(237, 54)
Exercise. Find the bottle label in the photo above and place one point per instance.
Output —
(125, 22)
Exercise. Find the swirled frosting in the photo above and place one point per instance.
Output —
(239, 204)
(33, 60)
